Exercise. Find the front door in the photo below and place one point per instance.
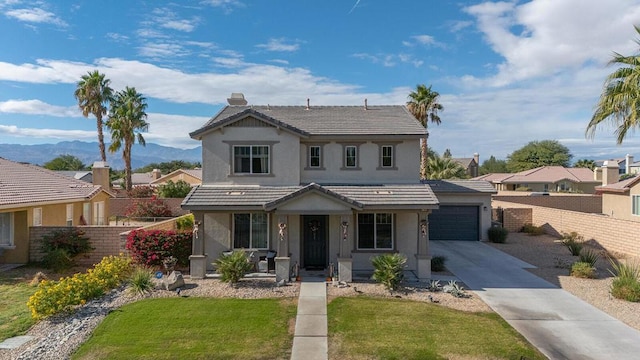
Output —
(315, 241)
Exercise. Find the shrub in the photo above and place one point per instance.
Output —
(434, 286)
(61, 246)
(455, 289)
(497, 234)
(144, 191)
(52, 297)
(626, 289)
(532, 229)
(185, 223)
(625, 270)
(573, 242)
(141, 280)
(523, 188)
(150, 248)
(389, 270)
(57, 260)
(179, 189)
(437, 263)
(233, 267)
(589, 256)
(148, 208)
(583, 270)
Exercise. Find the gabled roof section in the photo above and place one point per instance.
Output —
(313, 187)
(400, 196)
(494, 177)
(24, 184)
(543, 174)
(621, 186)
(460, 186)
(464, 162)
(223, 119)
(196, 173)
(324, 120)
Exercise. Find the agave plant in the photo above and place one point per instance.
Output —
(389, 270)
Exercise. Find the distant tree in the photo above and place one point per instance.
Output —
(439, 168)
(179, 189)
(447, 153)
(492, 166)
(423, 104)
(626, 176)
(94, 94)
(127, 121)
(585, 163)
(169, 166)
(619, 103)
(65, 162)
(539, 153)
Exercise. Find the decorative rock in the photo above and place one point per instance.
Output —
(174, 281)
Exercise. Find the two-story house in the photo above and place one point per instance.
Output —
(324, 184)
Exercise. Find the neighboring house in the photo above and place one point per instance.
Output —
(325, 185)
(86, 176)
(34, 196)
(469, 164)
(625, 164)
(140, 179)
(545, 179)
(191, 176)
(620, 199)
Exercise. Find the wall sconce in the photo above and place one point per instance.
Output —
(345, 228)
(423, 227)
(283, 231)
(485, 208)
(195, 229)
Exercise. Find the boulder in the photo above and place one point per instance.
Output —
(174, 281)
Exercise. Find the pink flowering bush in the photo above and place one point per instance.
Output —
(152, 207)
(150, 248)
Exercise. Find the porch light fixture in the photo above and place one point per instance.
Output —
(283, 231)
(345, 228)
(195, 229)
(423, 227)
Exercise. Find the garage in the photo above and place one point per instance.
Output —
(450, 222)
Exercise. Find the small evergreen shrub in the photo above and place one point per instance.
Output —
(523, 188)
(626, 289)
(143, 191)
(150, 248)
(60, 247)
(185, 223)
(573, 241)
(57, 260)
(497, 234)
(389, 270)
(583, 270)
(589, 256)
(233, 267)
(148, 208)
(141, 280)
(437, 263)
(532, 229)
(179, 189)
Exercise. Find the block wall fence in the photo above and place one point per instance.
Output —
(573, 202)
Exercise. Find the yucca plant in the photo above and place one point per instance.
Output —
(583, 270)
(389, 270)
(141, 280)
(573, 241)
(626, 285)
(589, 256)
(233, 267)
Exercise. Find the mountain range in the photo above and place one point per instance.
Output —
(88, 152)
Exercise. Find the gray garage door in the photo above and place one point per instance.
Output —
(454, 223)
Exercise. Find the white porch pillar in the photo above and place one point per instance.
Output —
(198, 259)
(283, 261)
(345, 262)
(423, 255)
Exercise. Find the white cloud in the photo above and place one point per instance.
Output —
(36, 15)
(226, 5)
(37, 107)
(14, 130)
(279, 45)
(389, 60)
(168, 19)
(162, 50)
(117, 37)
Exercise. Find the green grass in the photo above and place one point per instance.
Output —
(194, 328)
(15, 317)
(368, 328)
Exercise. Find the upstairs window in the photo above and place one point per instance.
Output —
(314, 157)
(250, 231)
(350, 156)
(635, 204)
(251, 159)
(386, 156)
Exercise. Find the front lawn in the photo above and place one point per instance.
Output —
(370, 328)
(15, 317)
(195, 328)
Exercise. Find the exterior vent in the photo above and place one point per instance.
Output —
(237, 99)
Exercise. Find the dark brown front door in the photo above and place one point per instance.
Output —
(315, 241)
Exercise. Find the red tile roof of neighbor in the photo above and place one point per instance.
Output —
(24, 184)
(544, 174)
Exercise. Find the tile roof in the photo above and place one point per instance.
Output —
(22, 184)
(411, 196)
(494, 177)
(325, 120)
(621, 186)
(464, 162)
(460, 186)
(196, 173)
(543, 174)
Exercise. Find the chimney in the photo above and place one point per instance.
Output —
(237, 99)
(627, 163)
(307, 104)
(100, 175)
(365, 104)
(156, 174)
(610, 172)
(476, 157)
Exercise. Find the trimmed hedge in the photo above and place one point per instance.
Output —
(151, 247)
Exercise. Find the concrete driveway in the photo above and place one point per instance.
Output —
(559, 324)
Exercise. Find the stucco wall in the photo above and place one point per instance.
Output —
(619, 206)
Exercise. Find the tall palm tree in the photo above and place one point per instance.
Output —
(585, 163)
(94, 94)
(440, 168)
(619, 102)
(423, 104)
(127, 120)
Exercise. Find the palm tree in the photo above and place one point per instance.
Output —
(585, 163)
(619, 102)
(127, 119)
(423, 104)
(93, 94)
(440, 168)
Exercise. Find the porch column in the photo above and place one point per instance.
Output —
(423, 255)
(197, 260)
(345, 262)
(283, 261)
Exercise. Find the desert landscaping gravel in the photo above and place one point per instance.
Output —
(59, 337)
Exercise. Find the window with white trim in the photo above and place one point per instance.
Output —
(251, 159)
(37, 217)
(98, 213)
(6, 229)
(315, 154)
(251, 231)
(635, 204)
(69, 214)
(386, 156)
(375, 231)
(350, 156)
(86, 213)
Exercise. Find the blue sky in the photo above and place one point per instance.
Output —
(507, 72)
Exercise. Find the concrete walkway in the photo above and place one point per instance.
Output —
(310, 338)
(559, 324)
